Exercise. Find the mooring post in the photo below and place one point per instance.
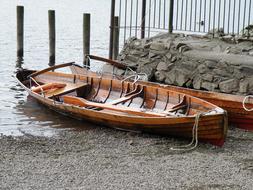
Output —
(20, 31)
(51, 25)
(143, 18)
(171, 16)
(116, 38)
(111, 28)
(86, 38)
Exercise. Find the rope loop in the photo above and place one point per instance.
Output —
(194, 142)
(244, 103)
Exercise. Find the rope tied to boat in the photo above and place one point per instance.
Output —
(244, 103)
(194, 142)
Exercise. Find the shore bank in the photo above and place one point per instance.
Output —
(221, 64)
(103, 158)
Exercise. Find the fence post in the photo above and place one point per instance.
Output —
(116, 38)
(86, 38)
(20, 31)
(171, 16)
(111, 28)
(143, 18)
(51, 26)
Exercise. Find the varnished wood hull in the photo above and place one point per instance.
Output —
(237, 115)
(212, 128)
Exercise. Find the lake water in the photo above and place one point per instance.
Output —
(20, 114)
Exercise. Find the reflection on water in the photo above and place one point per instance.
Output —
(20, 114)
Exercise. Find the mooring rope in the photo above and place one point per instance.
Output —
(194, 142)
(244, 102)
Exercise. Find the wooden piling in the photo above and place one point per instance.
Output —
(20, 31)
(143, 18)
(111, 28)
(116, 38)
(86, 38)
(51, 25)
(171, 9)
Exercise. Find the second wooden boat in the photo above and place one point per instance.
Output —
(126, 105)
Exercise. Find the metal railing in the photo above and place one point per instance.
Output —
(185, 15)
(144, 18)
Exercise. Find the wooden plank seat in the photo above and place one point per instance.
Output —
(57, 89)
(135, 93)
(86, 103)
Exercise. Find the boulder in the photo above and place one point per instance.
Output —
(229, 86)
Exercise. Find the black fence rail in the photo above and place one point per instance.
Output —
(143, 18)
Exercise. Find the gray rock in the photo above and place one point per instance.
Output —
(168, 56)
(170, 77)
(173, 59)
(182, 76)
(237, 74)
(207, 77)
(160, 76)
(180, 44)
(109, 69)
(202, 69)
(156, 46)
(247, 70)
(132, 58)
(229, 86)
(244, 86)
(209, 86)
(197, 81)
(222, 72)
(162, 66)
(189, 65)
(211, 64)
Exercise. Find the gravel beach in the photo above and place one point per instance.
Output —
(102, 158)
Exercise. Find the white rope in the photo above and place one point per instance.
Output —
(244, 102)
(194, 142)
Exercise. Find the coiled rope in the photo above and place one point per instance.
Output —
(244, 102)
(194, 142)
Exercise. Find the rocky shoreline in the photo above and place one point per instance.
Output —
(218, 64)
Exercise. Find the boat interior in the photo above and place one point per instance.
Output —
(107, 94)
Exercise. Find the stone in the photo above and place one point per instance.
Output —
(182, 76)
(110, 69)
(180, 44)
(197, 82)
(170, 77)
(247, 70)
(168, 45)
(173, 59)
(159, 76)
(132, 58)
(157, 46)
(221, 72)
(168, 56)
(152, 55)
(207, 77)
(209, 86)
(162, 66)
(229, 86)
(202, 69)
(189, 65)
(238, 74)
(184, 49)
(211, 64)
(244, 86)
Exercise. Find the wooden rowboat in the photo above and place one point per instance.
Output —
(126, 105)
(233, 104)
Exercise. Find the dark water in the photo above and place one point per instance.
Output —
(20, 114)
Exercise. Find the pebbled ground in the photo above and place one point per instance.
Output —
(103, 158)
